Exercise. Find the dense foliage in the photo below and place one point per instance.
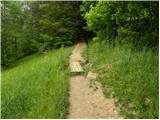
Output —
(12, 32)
(29, 27)
(136, 21)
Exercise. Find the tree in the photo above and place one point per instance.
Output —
(109, 20)
(37, 26)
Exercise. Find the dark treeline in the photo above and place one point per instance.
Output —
(123, 22)
(37, 26)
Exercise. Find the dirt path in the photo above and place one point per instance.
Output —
(84, 101)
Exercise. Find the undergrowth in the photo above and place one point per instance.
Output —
(130, 76)
(37, 87)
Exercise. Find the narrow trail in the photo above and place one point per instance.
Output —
(84, 101)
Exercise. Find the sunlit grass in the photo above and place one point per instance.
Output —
(37, 87)
(132, 77)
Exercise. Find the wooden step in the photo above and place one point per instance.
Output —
(75, 67)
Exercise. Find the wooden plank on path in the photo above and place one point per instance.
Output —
(75, 67)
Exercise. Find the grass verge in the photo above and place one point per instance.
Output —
(130, 76)
(37, 87)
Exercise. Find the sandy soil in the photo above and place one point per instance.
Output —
(86, 101)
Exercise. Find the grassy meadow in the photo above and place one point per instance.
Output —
(130, 76)
(37, 87)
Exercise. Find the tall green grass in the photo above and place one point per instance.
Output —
(132, 77)
(37, 87)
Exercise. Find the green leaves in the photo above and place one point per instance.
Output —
(12, 31)
(108, 18)
(37, 26)
(57, 23)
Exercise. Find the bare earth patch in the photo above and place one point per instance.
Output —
(86, 102)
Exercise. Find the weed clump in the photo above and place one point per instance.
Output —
(133, 77)
(37, 87)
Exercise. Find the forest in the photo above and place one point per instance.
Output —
(37, 38)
